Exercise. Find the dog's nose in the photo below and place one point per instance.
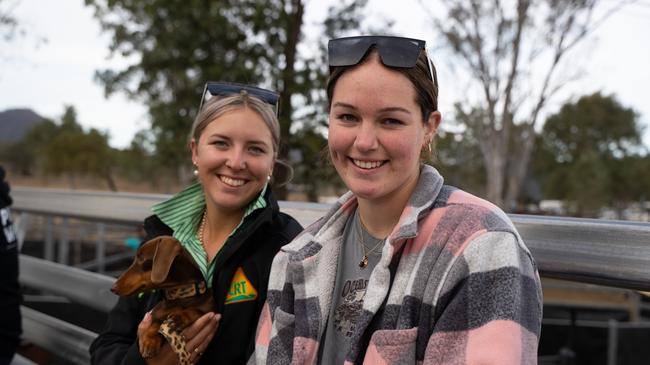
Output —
(114, 288)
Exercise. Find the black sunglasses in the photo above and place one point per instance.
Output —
(230, 88)
(393, 51)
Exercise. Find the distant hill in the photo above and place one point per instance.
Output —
(15, 123)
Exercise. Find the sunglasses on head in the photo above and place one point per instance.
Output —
(230, 88)
(393, 51)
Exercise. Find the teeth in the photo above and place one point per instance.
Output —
(367, 164)
(231, 182)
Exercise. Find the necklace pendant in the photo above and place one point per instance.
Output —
(364, 262)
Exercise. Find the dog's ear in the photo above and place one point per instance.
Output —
(166, 251)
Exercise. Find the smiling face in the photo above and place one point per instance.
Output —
(376, 132)
(234, 156)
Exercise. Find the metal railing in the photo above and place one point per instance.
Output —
(64, 339)
(612, 253)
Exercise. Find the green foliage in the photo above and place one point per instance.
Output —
(175, 47)
(594, 123)
(71, 151)
(632, 179)
(136, 163)
(590, 154)
(458, 153)
(64, 149)
(313, 168)
(18, 157)
(458, 158)
(23, 156)
(587, 184)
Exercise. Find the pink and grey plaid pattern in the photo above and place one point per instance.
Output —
(455, 285)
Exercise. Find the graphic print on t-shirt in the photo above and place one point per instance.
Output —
(347, 313)
(8, 239)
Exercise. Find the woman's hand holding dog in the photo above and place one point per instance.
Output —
(197, 338)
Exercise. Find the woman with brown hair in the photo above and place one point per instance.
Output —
(403, 269)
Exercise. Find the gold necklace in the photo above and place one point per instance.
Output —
(364, 260)
(199, 233)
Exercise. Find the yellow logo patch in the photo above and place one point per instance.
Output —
(241, 289)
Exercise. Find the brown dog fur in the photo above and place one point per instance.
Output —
(162, 263)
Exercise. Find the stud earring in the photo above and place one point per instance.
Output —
(268, 178)
(195, 172)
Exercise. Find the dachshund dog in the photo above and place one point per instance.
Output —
(162, 263)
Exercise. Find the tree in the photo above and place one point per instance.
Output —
(506, 47)
(177, 46)
(64, 149)
(23, 156)
(458, 156)
(135, 163)
(591, 155)
(631, 182)
(313, 168)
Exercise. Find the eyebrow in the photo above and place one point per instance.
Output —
(383, 110)
(251, 141)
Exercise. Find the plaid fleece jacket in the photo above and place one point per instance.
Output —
(455, 285)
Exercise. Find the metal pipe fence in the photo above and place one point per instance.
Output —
(611, 253)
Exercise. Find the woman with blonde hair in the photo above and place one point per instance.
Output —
(230, 223)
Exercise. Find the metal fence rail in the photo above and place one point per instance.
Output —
(125, 208)
(80, 286)
(64, 339)
(615, 253)
(612, 253)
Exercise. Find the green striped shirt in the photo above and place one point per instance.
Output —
(183, 212)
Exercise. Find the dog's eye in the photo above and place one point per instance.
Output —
(146, 266)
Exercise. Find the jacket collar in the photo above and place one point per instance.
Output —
(183, 211)
(249, 225)
(331, 225)
(313, 256)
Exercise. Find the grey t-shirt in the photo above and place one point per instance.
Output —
(349, 290)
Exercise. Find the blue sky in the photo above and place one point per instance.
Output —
(45, 76)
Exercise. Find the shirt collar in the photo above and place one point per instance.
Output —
(187, 206)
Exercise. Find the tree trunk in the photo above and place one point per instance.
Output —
(185, 175)
(495, 171)
(72, 181)
(497, 46)
(518, 170)
(110, 181)
(494, 155)
(294, 26)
